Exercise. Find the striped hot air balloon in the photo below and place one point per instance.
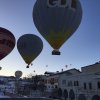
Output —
(7, 42)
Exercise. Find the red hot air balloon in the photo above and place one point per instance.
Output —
(7, 42)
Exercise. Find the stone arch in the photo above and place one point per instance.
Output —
(59, 93)
(71, 95)
(65, 94)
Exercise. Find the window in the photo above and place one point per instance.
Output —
(52, 81)
(56, 86)
(98, 85)
(73, 5)
(48, 86)
(45, 81)
(90, 86)
(51, 2)
(85, 86)
(63, 82)
(76, 83)
(52, 87)
(63, 2)
(70, 83)
(56, 80)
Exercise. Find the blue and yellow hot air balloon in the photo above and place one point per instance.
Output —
(57, 20)
(29, 47)
(7, 42)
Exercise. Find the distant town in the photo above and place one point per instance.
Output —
(71, 84)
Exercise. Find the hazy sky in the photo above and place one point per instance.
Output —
(82, 49)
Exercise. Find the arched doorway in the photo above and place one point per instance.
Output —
(65, 94)
(59, 93)
(96, 97)
(71, 95)
(82, 97)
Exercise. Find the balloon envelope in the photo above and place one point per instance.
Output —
(7, 42)
(18, 74)
(29, 46)
(57, 22)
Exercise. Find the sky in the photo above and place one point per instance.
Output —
(81, 49)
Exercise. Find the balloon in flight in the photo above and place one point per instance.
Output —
(57, 20)
(18, 74)
(7, 42)
(29, 47)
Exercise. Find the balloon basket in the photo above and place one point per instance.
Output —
(55, 52)
(27, 66)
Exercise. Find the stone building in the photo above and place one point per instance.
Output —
(80, 85)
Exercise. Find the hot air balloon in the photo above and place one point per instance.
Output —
(66, 66)
(57, 20)
(18, 74)
(29, 46)
(7, 42)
